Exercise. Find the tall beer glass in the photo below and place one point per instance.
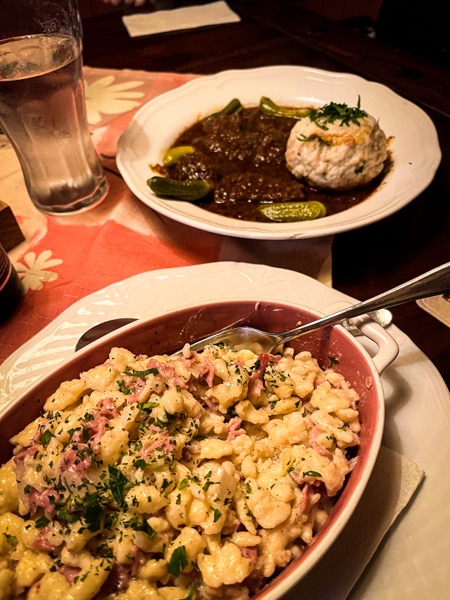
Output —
(42, 104)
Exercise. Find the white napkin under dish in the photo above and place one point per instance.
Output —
(189, 17)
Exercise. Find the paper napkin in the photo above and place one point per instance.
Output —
(438, 306)
(188, 17)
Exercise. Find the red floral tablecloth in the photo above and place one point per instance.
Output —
(66, 258)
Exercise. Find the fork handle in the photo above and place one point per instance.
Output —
(431, 283)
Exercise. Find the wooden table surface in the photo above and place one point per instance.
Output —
(368, 260)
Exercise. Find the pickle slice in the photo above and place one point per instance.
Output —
(232, 107)
(268, 107)
(174, 154)
(289, 212)
(189, 191)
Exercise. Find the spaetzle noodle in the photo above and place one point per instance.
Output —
(199, 476)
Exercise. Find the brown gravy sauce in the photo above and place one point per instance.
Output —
(242, 156)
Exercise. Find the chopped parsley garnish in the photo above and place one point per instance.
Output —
(148, 406)
(311, 474)
(183, 484)
(217, 515)
(122, 387)
(41, 522)
(334, 111)
(135, 373)
(85, 434)
(93, 512)
(138, 525)
(165, 484)
(139, 463)
(110, 520)
(118, 484)
(67, 516)
(206, 486)
(178, 561)
(46, 437)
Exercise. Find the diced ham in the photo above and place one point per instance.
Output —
(250, 553)
(323, 451)
(20, 457)
(107, 408)
(304, 498)
(42, 542)
(208, 372)
(296, 477)
(43, 500)
(213, 406)
(318, 381)
(188, 361)
(180, 383)
(168, 371)
(190, 451)
(69, 572)
(95, 428)
(118, 580)
(74, 461)
(165, 370)
(123, 577)
(163, 442)
(138, 560)
(139, 385)
(315, 432)
(255, 386)
(256, 380)
(234, 428)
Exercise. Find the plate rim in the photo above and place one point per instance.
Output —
(199, 218)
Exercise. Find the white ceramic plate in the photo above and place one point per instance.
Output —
(157, 124)
(413, 559)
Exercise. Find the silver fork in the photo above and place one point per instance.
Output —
(431, 283)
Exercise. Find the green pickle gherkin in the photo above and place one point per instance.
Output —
(174, 154)
(289, 212)
(189, 191)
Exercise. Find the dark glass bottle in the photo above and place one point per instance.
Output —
(11, 288)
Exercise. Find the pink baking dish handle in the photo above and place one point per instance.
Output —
(387, 347)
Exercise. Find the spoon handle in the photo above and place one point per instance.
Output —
(431, 283)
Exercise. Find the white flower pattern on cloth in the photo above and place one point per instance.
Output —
(35, 272)
(105, 96)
